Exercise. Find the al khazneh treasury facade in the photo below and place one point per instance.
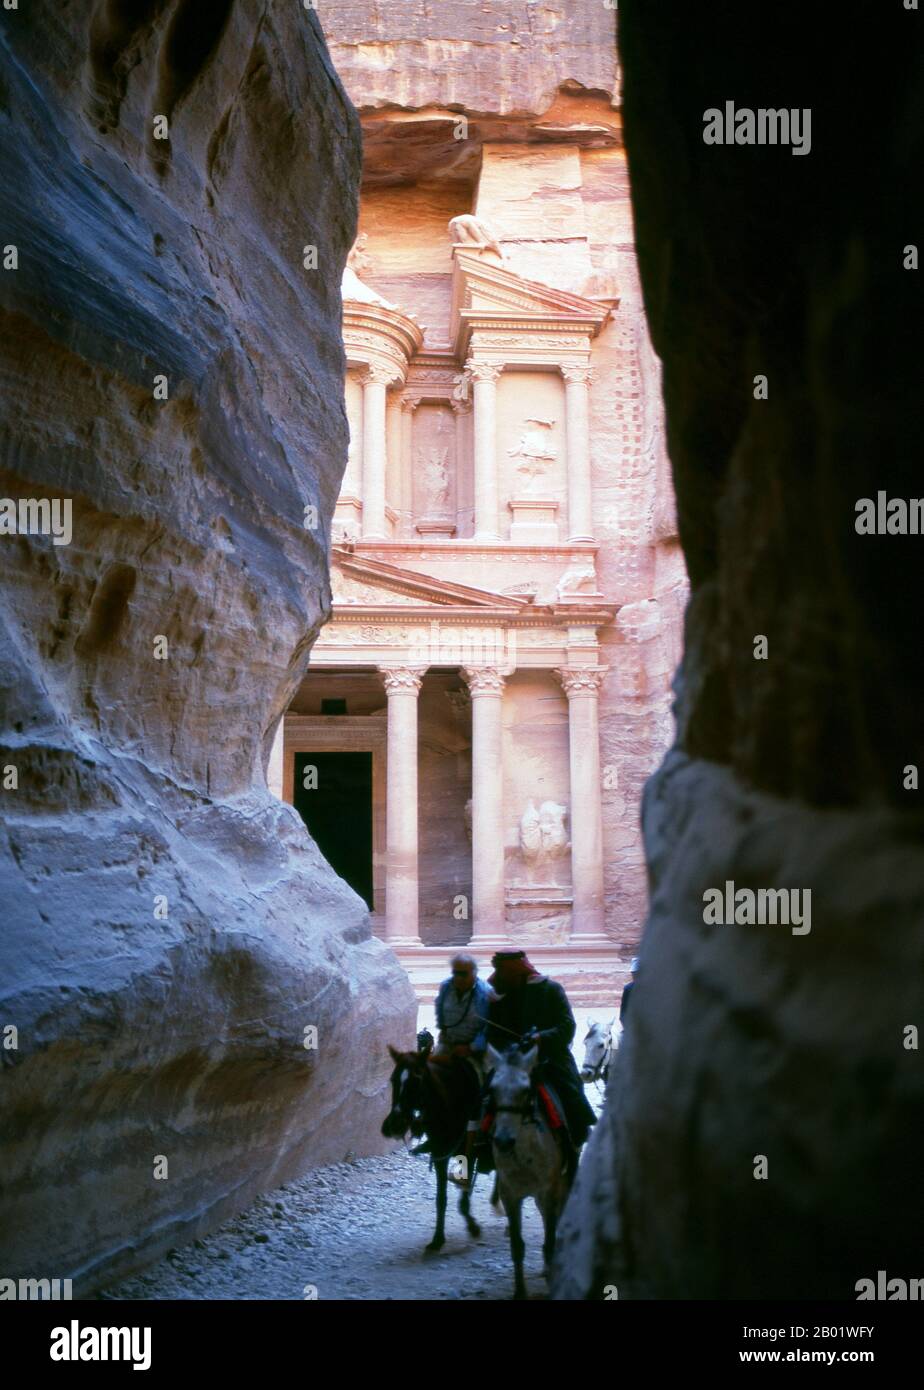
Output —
(493, 687)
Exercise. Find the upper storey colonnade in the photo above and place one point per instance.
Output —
(451, 474)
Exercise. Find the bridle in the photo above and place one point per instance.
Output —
(598, 1068)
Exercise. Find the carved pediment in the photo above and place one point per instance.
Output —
(358, 582)
(349, 591)
(485, 290)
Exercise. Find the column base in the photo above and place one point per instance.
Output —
(592, 941)
(492, 940)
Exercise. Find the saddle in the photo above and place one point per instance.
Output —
(552, 1109)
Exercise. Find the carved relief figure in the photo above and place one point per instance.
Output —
(359, 259)
(579, 579)
(530, 835)
(543, 839)
(435, 474)
(351, 287)
(460, 387)
(472, 231)
(555, 843)
(535, 450)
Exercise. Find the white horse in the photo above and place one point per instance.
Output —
(529, 1159)
(599, 1046)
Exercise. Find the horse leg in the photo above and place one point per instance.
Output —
(439, 1237)
(465, 1202)
(571, 1165)
(550, 1225)
(495, 1195)
(514, 1212)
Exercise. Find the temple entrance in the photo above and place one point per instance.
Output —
(335, 802)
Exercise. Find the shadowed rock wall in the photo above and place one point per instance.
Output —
(169, 929)
(747, 1040)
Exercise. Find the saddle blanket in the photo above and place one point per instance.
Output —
(551, 1105)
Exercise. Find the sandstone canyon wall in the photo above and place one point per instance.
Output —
(793, 771)
(169, 929)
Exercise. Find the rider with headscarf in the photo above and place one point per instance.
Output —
(532, 1007)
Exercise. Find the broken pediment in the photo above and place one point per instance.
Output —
(485, 292)
(359, 582)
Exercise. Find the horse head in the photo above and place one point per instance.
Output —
(598, 1047)
(511, 1091)
(407, 1095)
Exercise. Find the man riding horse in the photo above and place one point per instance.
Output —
(530, 1006)
(462, 1019)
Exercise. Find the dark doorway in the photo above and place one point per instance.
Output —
(335, 802)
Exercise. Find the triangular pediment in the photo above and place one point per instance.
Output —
(359, 582)
(483, 286)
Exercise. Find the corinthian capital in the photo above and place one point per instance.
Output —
(397, 679)
(581, 680)
(483, 371)
(380, 374)
(484, 680)
(582, 375)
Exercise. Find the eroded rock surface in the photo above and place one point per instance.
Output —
(745, 1040)
(169, 929)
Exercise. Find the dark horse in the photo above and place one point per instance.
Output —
(434, 1099)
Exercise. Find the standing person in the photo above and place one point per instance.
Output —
(462, 1006)
(627, 992)
(533, 1006)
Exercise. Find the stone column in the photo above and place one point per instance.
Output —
(402, 684)
(407, 467)
(484, 376)
(582, 686)
(461, 410)
(375, 383)
(486, 684)
(577, 416)
(394, 430)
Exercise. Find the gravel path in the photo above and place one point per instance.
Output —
(352, 1231)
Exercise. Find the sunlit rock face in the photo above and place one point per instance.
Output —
(746, 1040)
(522, 71)
(169, 929)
